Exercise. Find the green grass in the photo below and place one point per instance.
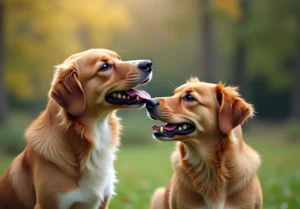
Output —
(143, 168)
(140, 170)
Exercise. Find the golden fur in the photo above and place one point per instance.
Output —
(213, 167)
(61, 140)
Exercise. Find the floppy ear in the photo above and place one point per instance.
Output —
(233, 109)
(67, 90)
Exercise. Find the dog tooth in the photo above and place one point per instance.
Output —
(179, 128)
(161, 129)
(124, 97)
(119, 96)
(137, 98)
(184, 127)
(114, 95)
(128, 97)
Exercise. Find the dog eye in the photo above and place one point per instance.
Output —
(105, 67)
(189, 98)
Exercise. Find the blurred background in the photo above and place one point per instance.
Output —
(252, 44)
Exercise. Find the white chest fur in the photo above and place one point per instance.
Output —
(211, 205)
(217, 207)
(99, 177)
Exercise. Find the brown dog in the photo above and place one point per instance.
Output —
(68, 160)
(213, 167)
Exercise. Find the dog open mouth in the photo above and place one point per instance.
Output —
(131, 97)
(169, 130)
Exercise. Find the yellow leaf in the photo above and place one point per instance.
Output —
(230, 7)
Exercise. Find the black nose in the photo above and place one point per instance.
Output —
(151, 104)
(145, 65)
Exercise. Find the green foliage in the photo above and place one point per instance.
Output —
(292, 131)
(11, 139)
(272, 39)
(269, 103)
(11, 134)
(4, 163)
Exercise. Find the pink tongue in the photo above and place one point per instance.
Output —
(155, 128)
(168, 127)
(141, 94)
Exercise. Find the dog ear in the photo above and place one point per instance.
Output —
(233, 109)
(67, 90)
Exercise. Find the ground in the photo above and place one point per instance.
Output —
(142, 168)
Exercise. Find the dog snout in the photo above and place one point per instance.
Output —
(145, 65)
(151, 104)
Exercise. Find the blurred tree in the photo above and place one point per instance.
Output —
(232, 24)
(3, 96)
(208, 42)
(240, 51)
(214, 34)
(296, 89)
(271, 40)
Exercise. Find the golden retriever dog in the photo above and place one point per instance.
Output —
(213, 167)
(70, 152)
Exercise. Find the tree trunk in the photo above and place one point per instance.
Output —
(296, 96)
(3, 96)
(239, 68)
(239, 65)
(208, 49)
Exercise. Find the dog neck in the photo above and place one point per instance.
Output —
(218, 166)
(64, 140)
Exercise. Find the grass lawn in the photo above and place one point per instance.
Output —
(143, 168)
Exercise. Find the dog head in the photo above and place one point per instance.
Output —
(198, 109)
(97, 80)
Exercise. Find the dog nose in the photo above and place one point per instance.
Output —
(151, 104)
(145, 65)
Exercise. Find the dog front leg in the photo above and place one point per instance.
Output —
(48, 200)
(105, 203)
(38, 206)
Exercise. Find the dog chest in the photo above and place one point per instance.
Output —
(98, 180)
(217, 207)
